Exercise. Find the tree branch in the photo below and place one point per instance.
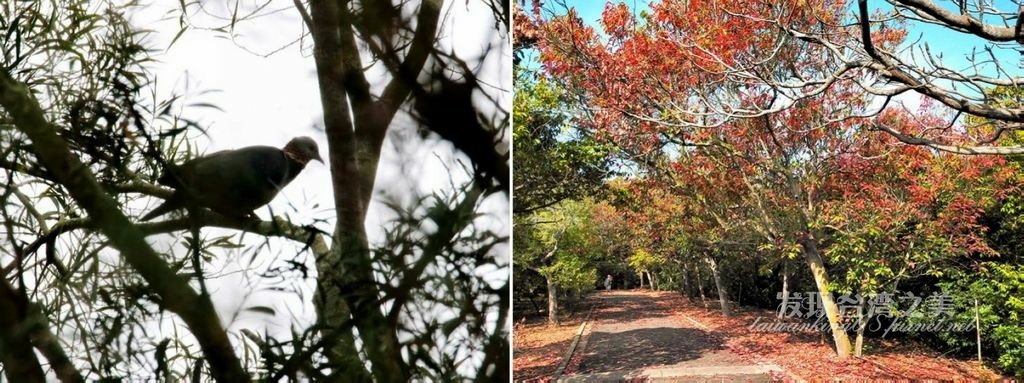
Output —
(50, 347)
(963, 22)
(373, 120)
(176, 294)
(278, 227)
(16, 353)
(958, 149)
(892, 71)
(406, 74)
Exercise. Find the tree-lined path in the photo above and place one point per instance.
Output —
(638, 333)
(807, 154)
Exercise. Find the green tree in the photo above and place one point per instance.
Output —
(561, 243)
(553, 161)
(993, 282)
(644, 262)
(997, 289)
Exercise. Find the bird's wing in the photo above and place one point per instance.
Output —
(177, 176)
(234, 181)
(240, 180)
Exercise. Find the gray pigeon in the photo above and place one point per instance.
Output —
(235, 182)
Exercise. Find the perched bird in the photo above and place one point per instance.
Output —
(235, 182)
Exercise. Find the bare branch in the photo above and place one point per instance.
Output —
(962, 22)
(958, 149)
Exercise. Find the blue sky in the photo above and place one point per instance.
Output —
(953, 46)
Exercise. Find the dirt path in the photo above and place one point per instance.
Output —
(638, 334)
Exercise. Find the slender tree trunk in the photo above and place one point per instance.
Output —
(685, 290)
(862, 324)
(821, 280)
(785, 289)
(534, 304)
(739, 294)
(552, 301)
(977, 328)
(641, 273)
(723, 295)
(700, 286)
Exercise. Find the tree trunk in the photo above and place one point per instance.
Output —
(723, 295)
(346, 288)
(862, 324)
(552, 302)
(641, 273)
(533, 303)
(739, 294)
(685, 290)
(16, 352)
(785, 289)
(821, 280)
(700, 286)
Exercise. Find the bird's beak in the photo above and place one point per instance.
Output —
(318, 158)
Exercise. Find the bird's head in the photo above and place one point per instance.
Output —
(302, 149)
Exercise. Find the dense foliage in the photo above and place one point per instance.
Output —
(762, 163)
(556, 161)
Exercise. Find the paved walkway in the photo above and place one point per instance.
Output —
(637, 336)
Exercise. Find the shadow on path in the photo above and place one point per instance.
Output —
(646, 347)
(628, 306)
(643, 335)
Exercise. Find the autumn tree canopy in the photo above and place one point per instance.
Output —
(768, 132)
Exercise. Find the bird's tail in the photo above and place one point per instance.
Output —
(168, 205)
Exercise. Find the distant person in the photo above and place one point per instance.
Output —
(608, 282)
